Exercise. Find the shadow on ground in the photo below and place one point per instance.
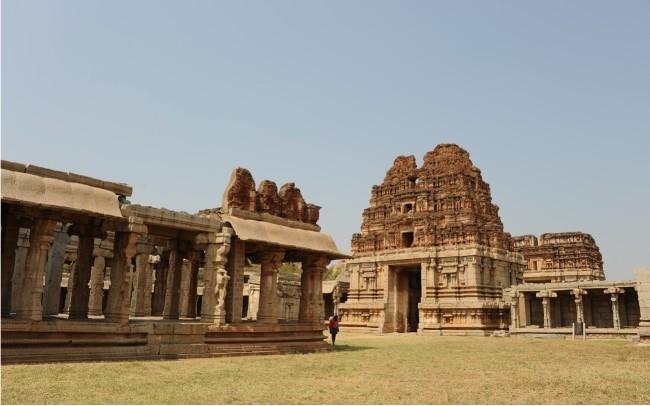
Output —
(351, 348)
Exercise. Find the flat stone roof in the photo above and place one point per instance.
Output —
(284, 236)
(45, 192)
(118, 188)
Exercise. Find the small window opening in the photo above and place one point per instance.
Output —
(407, 208)
(407, 239)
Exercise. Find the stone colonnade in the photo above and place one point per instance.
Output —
(35, 252)
(521, 306)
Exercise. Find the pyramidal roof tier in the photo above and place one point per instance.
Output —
(443, 202)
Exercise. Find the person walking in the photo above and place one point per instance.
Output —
(334, 328)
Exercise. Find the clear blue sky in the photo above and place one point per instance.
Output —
(551, 99)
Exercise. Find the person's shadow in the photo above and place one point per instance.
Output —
(350, 348)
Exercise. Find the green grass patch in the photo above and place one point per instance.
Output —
(364, 369)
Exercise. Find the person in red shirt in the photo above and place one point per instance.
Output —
(334, 327)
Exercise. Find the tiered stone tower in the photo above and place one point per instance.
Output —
(560, 257)
(446, 202)
(432, 254)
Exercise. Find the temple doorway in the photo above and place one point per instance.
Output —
(409, 286)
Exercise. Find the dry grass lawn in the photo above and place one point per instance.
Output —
(364, 369)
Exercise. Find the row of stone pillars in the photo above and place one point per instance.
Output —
(546, 296)
(24, 276)
(42, 253)
(132, 261)
(173, 273)
(133, 264)
(311, 294)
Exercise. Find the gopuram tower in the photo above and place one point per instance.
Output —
(432, 255)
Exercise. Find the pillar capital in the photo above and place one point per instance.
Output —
(613, 291)
(154, 259)
(223, 237)
(546, 294)
(84, 229)
(271, 260)
(144, 245)
(315, 261)
(577, 292)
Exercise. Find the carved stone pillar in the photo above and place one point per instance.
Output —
(142, 278)
(40, 239)
(194, 283)
(314, 267)
(119, 295)
(160, 285)
(580, 310)
(97, 285)
(71, 275)
(235, 268)
(514, 310)
(80, 291)
(270, 263)
(524, 310)
(305, 311)
(215, 277)
(527, 309)
(615, 312)
(54, 272)
(149, 280)
(20, 262)
(546, 305)
(171, 311)
(186, 282)
(10, 231)
(336, 299)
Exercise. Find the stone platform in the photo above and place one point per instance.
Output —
(60, 340)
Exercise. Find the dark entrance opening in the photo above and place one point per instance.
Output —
(409, 294)
(414, 296)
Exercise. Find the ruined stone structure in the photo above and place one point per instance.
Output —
(560, 257)
(287, 203)
(149, 260)
(432, 255)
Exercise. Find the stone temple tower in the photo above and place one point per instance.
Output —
(432, 255)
